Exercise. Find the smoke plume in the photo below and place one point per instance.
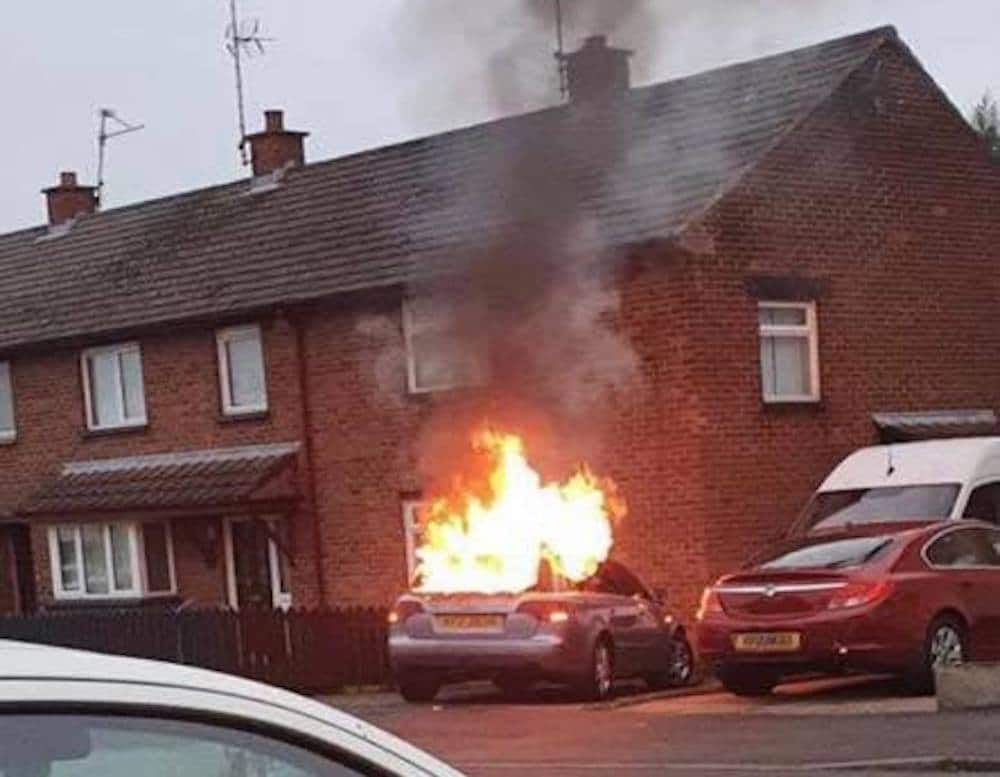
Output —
(539, 287)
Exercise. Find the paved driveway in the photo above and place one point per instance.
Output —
(806, 727)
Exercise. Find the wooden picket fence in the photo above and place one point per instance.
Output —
(310, 651)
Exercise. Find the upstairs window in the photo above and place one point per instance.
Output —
(113, 387)
(8, 428)
(439, 354)
(789, 351)
(241, 370)
(111, 560)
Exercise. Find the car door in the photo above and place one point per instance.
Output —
(968, 564)
(646, 633)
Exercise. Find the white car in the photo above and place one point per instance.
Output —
(70, 713)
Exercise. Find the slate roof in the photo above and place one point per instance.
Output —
(206, 478)
(375, 218)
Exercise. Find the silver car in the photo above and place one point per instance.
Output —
(585, 636)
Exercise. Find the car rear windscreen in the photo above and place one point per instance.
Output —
(830, 554)
(832, 509)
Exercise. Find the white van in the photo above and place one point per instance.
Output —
(943, 479)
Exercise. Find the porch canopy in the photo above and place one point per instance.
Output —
(931, 424)
(249, 478)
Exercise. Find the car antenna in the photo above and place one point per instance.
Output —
(890, 466)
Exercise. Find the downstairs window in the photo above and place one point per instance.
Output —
(111, 560)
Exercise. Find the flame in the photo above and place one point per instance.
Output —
(491, 539)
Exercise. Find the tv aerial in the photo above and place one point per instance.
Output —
(243, 39)
(111, 126)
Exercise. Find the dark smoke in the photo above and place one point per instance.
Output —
(540, 291)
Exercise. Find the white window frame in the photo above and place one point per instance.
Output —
(808, 331)
(222, 338)
(410, 509)
(281, 600)
(7, 387)
(137, 554)
(88, 391)
(412, 327)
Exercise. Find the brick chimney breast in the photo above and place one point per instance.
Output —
(69, 200)
(275, 147)
(596, 71)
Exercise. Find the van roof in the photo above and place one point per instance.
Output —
(916, 463)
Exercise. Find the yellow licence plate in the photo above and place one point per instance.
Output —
(768, 642)
(480, 623)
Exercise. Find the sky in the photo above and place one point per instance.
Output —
(358, 75)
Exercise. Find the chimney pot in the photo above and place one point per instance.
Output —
(274, 121)
(275, 147)
(597, 70)
(69, 200)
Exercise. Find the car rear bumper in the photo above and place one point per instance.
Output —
(545, 656)
(828, 643)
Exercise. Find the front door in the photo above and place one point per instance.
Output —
(257, 575)
(17, 579)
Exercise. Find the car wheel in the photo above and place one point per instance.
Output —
(680, 667)
(596, 685)
(419, 688)
(946, 644)
(748, 681)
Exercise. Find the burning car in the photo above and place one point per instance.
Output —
(608, 627)
(515, 586)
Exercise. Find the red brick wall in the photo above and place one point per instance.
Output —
(183, 408)
(895, 212)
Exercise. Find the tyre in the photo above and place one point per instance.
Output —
(419, 688)
(597, 683)
(945, 644)
(680, 667)
(748, 681)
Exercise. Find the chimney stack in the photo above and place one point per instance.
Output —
(596, 71)
(275, 147)
(69, 200)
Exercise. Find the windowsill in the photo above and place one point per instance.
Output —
(792, 405)
(8, 438)
(107, 431)
(421, 393)
(248, 415)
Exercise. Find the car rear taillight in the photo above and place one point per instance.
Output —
(859, 594)
(404, 610)
(547, 612)
(710, 604)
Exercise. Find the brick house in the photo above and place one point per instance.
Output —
(193, 390)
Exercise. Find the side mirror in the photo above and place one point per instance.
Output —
(661, 594)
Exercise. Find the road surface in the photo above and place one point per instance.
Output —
(850, 726)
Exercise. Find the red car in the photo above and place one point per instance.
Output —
(900, 597)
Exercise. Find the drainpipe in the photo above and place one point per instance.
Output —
(310, 471)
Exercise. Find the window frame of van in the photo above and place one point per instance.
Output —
(223, 337)
(808, 331)
(137, 561)
(89, 391)
(8, 436)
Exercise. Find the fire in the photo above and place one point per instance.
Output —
(491, 539)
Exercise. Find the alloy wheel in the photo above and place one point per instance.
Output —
(946, 647)
(681, 664)
(602, 669)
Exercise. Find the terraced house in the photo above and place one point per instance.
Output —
(196, 406)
